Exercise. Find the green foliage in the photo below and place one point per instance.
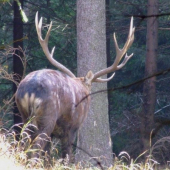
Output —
(4, 1)
(125, 104)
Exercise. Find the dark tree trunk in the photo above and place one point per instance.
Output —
(149, 89)
(17, 63)
(108, 47)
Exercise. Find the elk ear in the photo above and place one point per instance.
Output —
(88, 78)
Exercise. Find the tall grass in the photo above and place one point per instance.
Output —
(14, 155)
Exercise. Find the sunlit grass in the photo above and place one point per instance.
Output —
(8, 155)
(14, 155)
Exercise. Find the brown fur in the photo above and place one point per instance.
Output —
(49, 99)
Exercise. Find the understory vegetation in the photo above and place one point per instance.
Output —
(14, 155)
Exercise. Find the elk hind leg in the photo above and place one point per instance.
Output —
(67, 143)
(43, 138)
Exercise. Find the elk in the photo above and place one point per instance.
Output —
(48, 97)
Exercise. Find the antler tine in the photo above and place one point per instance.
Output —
(121, 52)
(119, 55)
(44, 45)
(100, 80)
(38, 26)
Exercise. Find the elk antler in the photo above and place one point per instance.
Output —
(119, 54)
(44, 45)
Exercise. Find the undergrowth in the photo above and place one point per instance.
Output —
(14, 155)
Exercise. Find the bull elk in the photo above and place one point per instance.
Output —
(49, 97)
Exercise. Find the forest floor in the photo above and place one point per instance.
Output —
(14, 156)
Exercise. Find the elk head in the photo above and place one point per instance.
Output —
(48, 97)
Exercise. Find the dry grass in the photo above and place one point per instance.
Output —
(14, 156)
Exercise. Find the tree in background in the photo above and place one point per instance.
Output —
(149, 87)
(17, 56)
(94, 136)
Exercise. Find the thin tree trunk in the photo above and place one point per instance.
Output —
(108, 47)
(149, 89)
(17, 64)
(94, 135)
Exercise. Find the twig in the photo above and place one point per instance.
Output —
(126, 86)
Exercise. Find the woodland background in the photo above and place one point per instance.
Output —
(126, 92)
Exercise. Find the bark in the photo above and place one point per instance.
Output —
(149, 89)
(17, 64)
(94, 135)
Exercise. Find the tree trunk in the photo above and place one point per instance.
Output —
(108, 49)
(94, 135)
(149, 89)
(17, 63)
